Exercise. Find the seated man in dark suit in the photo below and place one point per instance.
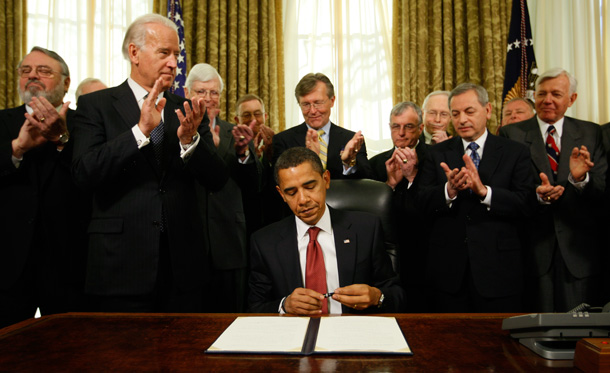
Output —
(398, 168)
(297, 260)
(44, 217)
(342, 151)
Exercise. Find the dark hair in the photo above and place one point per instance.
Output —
(309, 82)
(295, 156)
(246, 98)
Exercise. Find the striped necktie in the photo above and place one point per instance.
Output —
(552, 150)
(323, 148)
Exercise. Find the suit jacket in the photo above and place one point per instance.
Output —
(338, 138)
(361, 258)
(45, 214)
(226, 217)
(570, 222)
(132, 194)
(466, 235)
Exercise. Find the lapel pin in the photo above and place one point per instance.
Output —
(346, 240)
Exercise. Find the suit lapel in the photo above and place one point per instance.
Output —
(345, 246)
(570, 139)
(225, 139)
(288, 253)
(126, 105)
(454, 153)
(533, 139)
(492, 154)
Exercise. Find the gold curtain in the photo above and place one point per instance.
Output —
(438, 44)
(12, 49)
(243, 40)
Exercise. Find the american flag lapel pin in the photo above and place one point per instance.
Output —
(346, 240)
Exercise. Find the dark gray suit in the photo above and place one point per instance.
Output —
(361, 258)
(133, 195)
(563, 238)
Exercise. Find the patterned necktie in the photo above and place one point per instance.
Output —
(315, 270)
(323, 148)
(156, 137)
(476, 159)
(552, 150)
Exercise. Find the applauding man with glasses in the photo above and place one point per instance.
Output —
(436, 117)
(341, 151)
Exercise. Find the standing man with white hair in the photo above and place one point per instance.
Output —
(223, 210)
(143, 151)
(436, 118)
(569, 169)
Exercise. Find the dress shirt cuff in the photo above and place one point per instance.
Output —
(141, 139)
(579, 185)
(186, 150)
(16, 161)
(281, 308)
(349, 170)
(487, 200)
(448, 200)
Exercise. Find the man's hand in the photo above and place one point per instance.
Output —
(439, 136)
(408, 168)
(358, 296)
(547, 192)
(212, 114)
(263, 141)
(393, 170)
(457, 180)
(29, 138)
(311, 141)
(243, 134)
(150, 115)
(348, 155)
(190, 121)
(304, 302)
(580, 163)
(473, 180)
(50, 123)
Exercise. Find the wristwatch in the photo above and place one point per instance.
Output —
(381, 299)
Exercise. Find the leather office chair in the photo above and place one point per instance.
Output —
(369, 196)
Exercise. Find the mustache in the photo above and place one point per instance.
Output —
(35, 81)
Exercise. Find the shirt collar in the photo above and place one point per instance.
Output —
(324, 224)
(427, 136)
(326, 128)
(480, 142)
(140, 92)
(544, 126)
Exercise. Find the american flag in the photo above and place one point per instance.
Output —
(174, 12)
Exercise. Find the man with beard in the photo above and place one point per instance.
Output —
(44, 219)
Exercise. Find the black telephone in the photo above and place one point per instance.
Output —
(554, 335)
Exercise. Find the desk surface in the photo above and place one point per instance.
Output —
(176, 342)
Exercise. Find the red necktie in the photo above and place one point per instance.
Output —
(552, 150)
(315, 271)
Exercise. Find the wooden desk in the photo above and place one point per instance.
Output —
(176, 342)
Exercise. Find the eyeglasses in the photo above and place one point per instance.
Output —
(409, 127)
(306, 106)
(42, 71)
(204, 92)
(443, 114)
(248, 116)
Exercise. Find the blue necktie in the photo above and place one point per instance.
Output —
(156, 137)
(476, 159)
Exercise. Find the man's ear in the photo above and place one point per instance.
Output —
(326, 177)
(277, 187)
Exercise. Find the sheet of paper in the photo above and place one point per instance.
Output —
(263, 334)
(360, 333)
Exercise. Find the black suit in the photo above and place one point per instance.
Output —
(568, 224)
(134, 198)
(361, 258)
(227, 226)
(42, 226)
(412, 244)
(472, 247)
(338, 137)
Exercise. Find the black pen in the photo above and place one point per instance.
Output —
(328, 295)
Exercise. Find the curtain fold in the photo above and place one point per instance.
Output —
(12, 49)
(243, 40)
(439, 44)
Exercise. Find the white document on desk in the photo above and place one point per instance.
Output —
(368, 334)
(263, 334)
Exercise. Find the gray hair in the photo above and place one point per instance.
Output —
(434, 93)
(465, 87)
(136, 32)
(81, 85)
(554, 73)
(64, 66)
(402, 107)
(248, 97)
(203, 72)
(308, 83)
